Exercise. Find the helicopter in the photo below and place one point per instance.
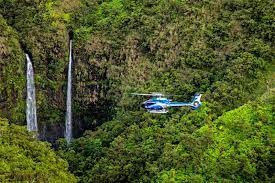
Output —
(159, 104)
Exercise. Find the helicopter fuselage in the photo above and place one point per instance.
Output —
(161, 104)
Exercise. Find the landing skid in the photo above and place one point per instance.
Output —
(163, 111)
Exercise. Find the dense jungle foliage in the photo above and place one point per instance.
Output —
(223, 49)
(23, 158)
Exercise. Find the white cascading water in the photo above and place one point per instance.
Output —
(31, 102)
(68, 132)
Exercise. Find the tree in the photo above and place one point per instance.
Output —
(24, 158)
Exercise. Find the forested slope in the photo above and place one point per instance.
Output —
(223, 49)
(42, 34)
(25, 159)
(12, 78)
(184, 147)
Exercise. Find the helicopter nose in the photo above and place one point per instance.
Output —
(143, 105)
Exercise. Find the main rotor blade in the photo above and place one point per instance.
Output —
(143, 94)
(154, 94)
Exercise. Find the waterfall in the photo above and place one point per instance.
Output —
(31, 103)
(68, 132)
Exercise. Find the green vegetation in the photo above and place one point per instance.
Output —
(177, 47)
(189, 147)
(223, 49)
(42, 33)
(12, 75)
(25, 159)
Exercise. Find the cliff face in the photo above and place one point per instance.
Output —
(12, 74)
(122, 47)
(37, 30)
(42, 30)
(223, 49)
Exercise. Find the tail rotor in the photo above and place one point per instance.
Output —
(196, 102)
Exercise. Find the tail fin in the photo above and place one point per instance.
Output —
(197, 97)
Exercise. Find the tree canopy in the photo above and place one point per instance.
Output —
(223, 49)
(23, 158)
(190, 147)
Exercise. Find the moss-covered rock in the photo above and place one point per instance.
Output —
(41, 29)
(12, 74)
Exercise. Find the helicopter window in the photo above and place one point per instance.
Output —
(150, 103)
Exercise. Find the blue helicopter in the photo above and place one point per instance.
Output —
(159, 104)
